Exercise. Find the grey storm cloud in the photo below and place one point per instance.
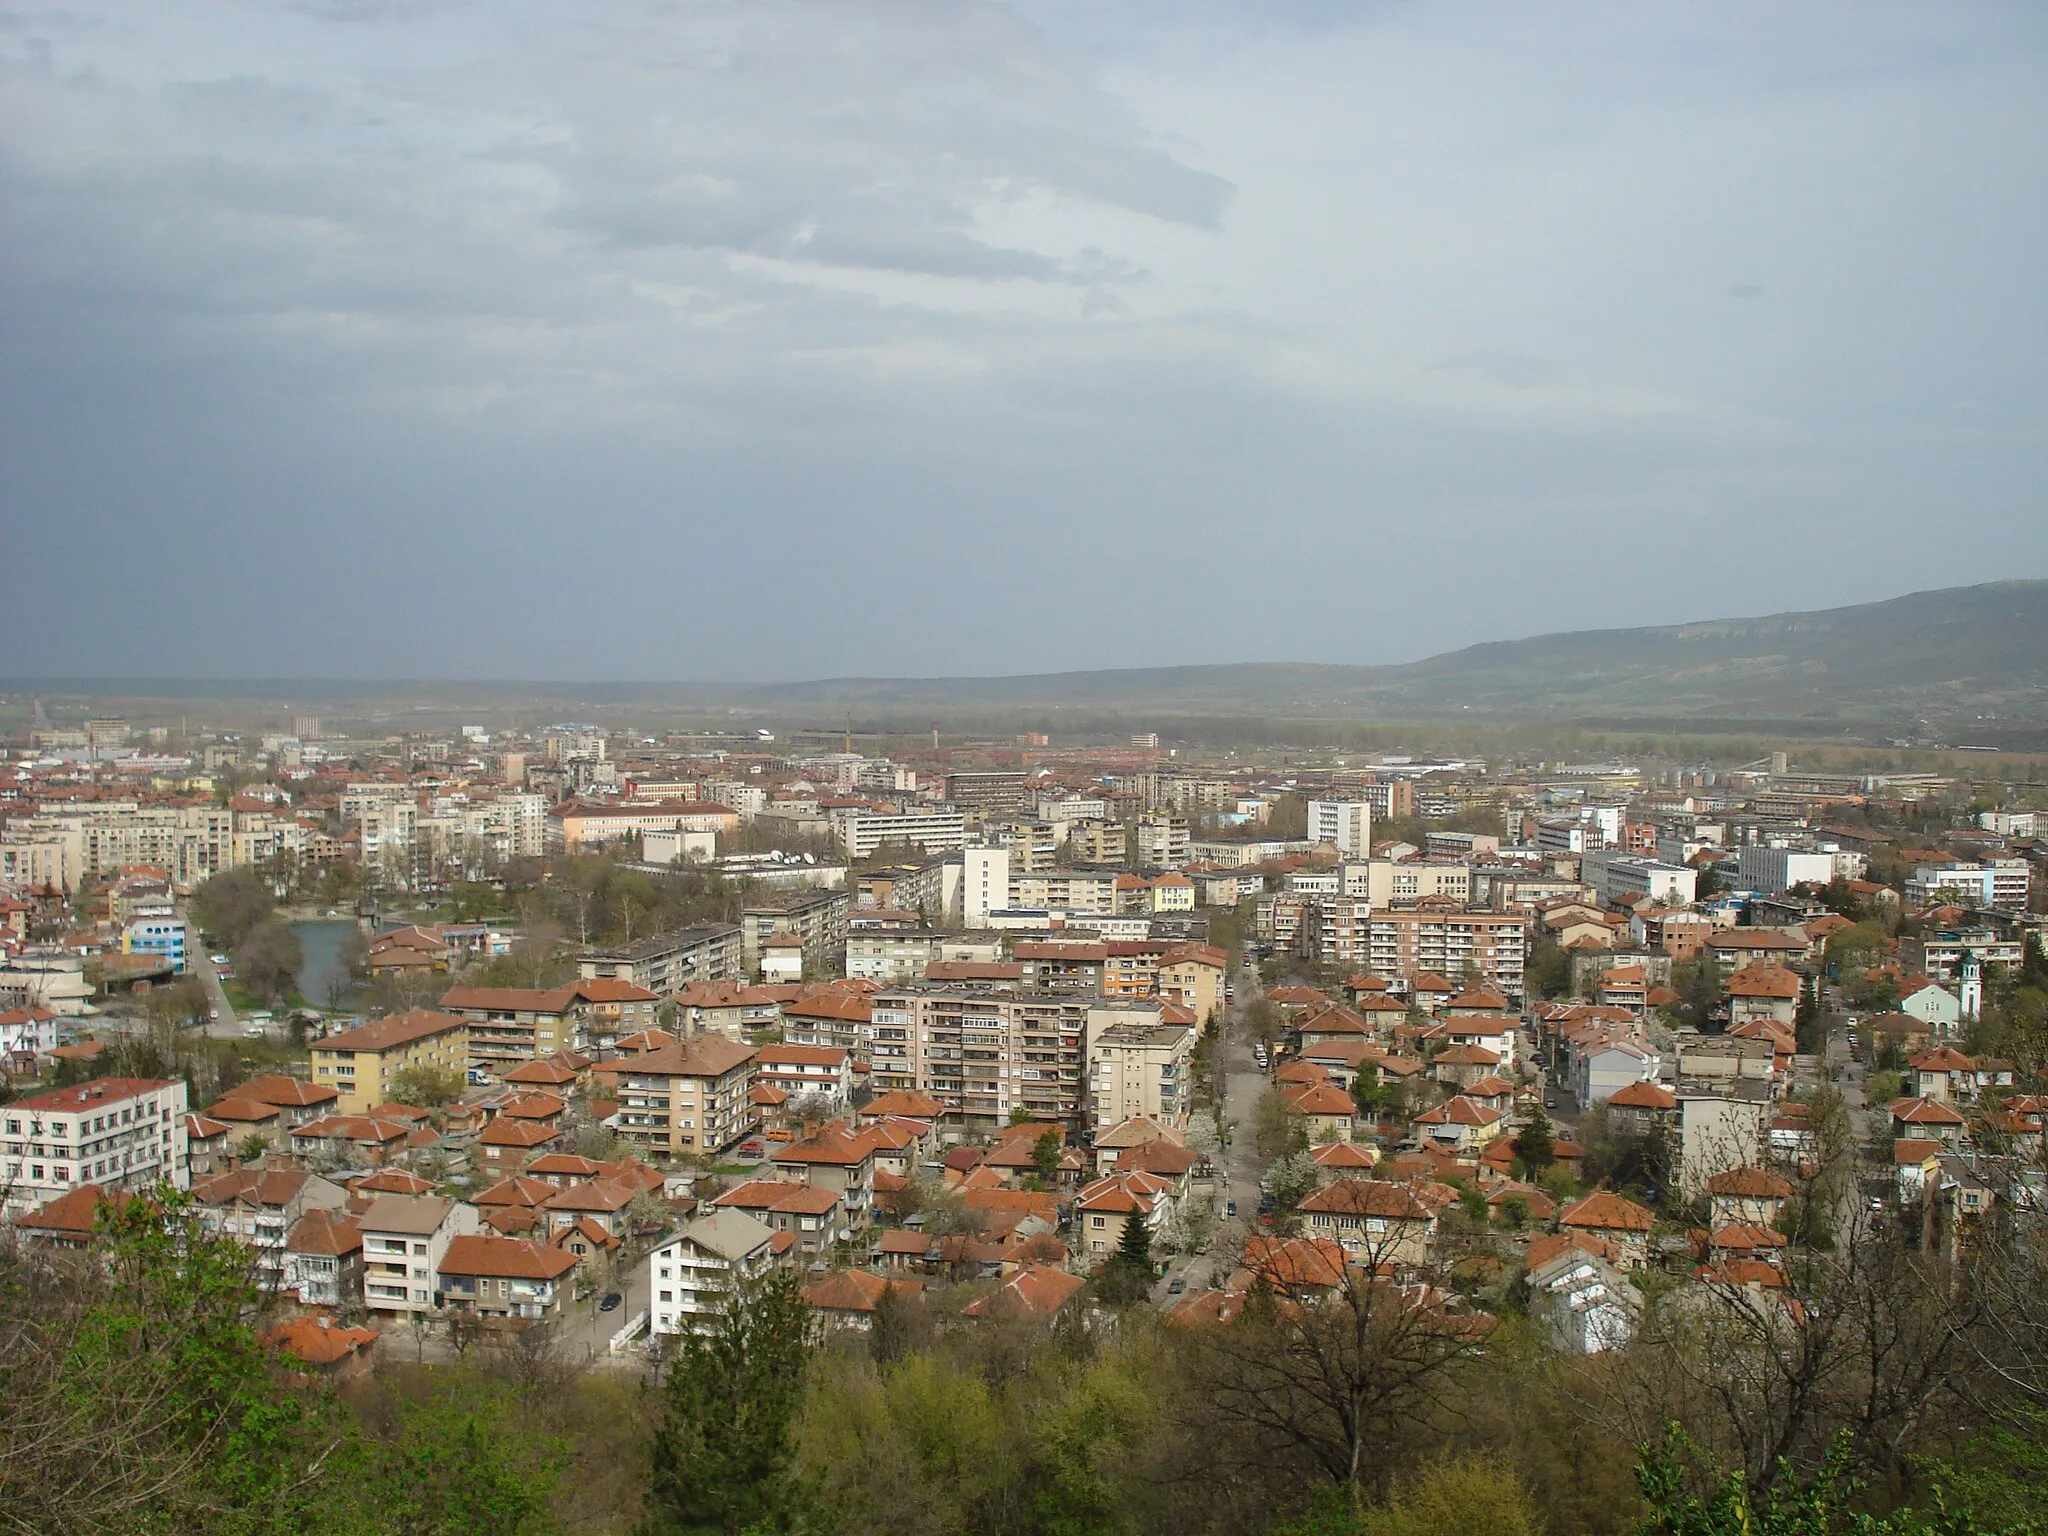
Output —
(357, 338)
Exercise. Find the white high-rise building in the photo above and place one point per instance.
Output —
(984, 884)
(1345, 824)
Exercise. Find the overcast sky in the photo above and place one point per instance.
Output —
(780, 340)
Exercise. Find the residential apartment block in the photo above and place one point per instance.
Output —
(1160, 841)
(113, 1132)
(1443, 940)
(668, 962)
(982, 1054)
(861, 832)
(1137, 1065)
(685, 1099)
(405, 1237)
(359, 1064)
(1344, 824)
(817, 918)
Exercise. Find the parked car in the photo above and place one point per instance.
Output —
(1176, 1285)
(611, 1302)
(1230, 1208)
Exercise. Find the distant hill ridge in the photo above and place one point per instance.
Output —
(1953, 652)
(1974, 659)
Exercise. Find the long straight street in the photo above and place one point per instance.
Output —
(1239, 1169)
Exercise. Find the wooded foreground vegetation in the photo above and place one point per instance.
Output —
(136, 1396)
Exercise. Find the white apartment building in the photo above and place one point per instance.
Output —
(890, 956)
(1445, 942)
(983, 1054)
(750, 800)
(405, 1237)
(1067, 890)
(984, 885)
(115, 1132)
(1071, 808)
(1344, 824)
(688, 1276)
(2003, 883)
(2009, 823)
(1137, 1065)
(1772, 871)
(1385, 883)
(1161, 841)
(860, 833)
(1619, 876)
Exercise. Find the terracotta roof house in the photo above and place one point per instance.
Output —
(1037, 1290)
(323, 1346)
(1543, 1249)
(323, 1258)
(1537, 1204)
(1377, 1221)
(1329, 1112)
(390, 1181)
(1620, 1221)
(907, 1102)
(506, 1144)
(1460, 1123)
(69, 1221)
(1295, 1266)
(1751, 1196)
(503, 1277)
(811, 1214)
(1928, 1118)
(849, 1298)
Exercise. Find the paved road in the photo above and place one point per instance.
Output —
(1240, 1168)
(586, 1333)
(224, 1026)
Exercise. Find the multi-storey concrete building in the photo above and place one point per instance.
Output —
(405, 1237)
(931, 887)
(984, 885)
(577, 825)
(1065, 890)
(1442, 939)
(1385, 883)
(668, 962)
(1030, 844)
(191, 843)
(2003, 883)
(989, 790)
(890, 955)
(359, 1064)
(982, 1054)
(1626, 876)
(1160, 841)
(1137, 1065)
(1344, 824)
(861, 832)
(1098, 842)
(818, 918)
(685, 1099)
(690, 1277)
(114, 1132)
